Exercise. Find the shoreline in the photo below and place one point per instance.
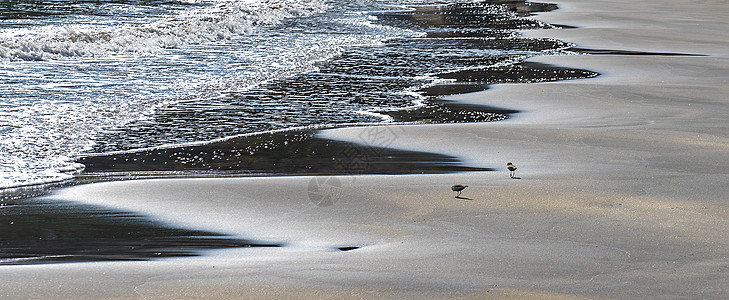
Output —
(622, 196)
(431, 109)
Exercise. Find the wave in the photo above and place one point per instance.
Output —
(48, 120)
(32, 259)
(219, 21)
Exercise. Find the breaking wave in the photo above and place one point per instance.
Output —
(207, 23)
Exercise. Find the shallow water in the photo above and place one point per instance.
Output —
(95, 77)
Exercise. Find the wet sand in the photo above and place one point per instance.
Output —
(294, 152)
(50, 231)
(622, 191)
(42, 236)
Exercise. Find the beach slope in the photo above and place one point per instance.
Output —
(622, 192)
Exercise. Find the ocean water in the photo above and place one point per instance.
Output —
(82, 76)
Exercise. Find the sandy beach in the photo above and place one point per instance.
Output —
(622, 191)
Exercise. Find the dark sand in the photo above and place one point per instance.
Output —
(51, 231)
(281, 153)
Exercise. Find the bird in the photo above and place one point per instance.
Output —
(512, 169)
(458, 188)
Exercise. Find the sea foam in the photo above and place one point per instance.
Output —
(213, 22)
(64, 84)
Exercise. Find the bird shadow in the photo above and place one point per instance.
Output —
(515, 177)
(463, 198)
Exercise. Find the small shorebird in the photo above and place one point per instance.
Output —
(458, 188)
(512, 169)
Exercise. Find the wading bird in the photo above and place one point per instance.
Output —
(512, 169)
(458, 188)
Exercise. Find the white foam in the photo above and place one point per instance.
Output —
(21, 260)
(223, 21)
(47, 121)
(70, 83)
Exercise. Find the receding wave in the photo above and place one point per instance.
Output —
(130, 75)
(218, 21)
(54, 109)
